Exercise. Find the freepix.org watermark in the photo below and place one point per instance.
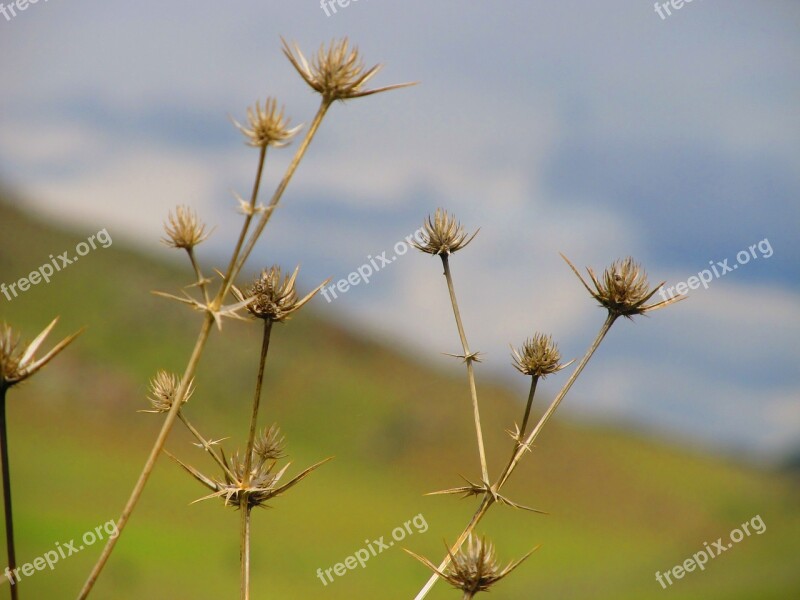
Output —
(373, 548)
(363, 273)
(61, 551)
(718, 269)
(56, 264)
(664, 7)
(701, 557)
(9, 11)
(329, 6)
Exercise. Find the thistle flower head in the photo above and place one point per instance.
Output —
(18, 364)
(336, 72)
(269, 445)
(623, 288)
(538, 356)
(443, 234)
(184, 229)
(474, 567)
(163, 388)
(237, 486)
(267, 126)
(274, 296)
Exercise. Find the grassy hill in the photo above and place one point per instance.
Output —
(621, 507)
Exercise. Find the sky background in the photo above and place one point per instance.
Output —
(594, 129)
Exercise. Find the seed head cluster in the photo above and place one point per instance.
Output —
(267, 126)
(623, 288)
(443, 234)
(163, 389)
(474, 567)
(538, 356)
(184, 229)
(336, 72)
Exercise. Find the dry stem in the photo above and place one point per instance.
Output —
(12, 557)
(469, 358)
(238, 259)
(486, 501)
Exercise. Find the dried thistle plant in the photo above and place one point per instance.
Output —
(623, 291)
(18, 364)
(473, 568)
(247, 479)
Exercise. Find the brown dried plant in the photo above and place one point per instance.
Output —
(623, 291)
(18, 364)
(249, 478)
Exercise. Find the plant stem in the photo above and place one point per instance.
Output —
(247, 219)
(257, 401)
(237, 260)
(483, 508)
(524, 426)
(486, 502)
(207, 446)
(169, 421)
(468, 359)
(556, 401)
(199, 274)
(245, 550)
(12, 556)
(276, 196)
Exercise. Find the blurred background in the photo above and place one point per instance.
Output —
(599, 130)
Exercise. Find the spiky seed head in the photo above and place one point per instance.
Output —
(442, 234)
(262, 483)
(163, 389)
(474, 567)
(336, 72)
(269, 445)
(274, 296)
(623, 288)
(18, 364)
(267, 126)
(184, 229)
(538, 356)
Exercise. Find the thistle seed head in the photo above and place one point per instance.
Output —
(623, 289)
(236, 487)
(336, 72)
(184, 229)
(443, 234)
(538, 356)
(274, 296)
(267, 126)
(18, 364)
(269, 445)
(163, 388)
(474, 567)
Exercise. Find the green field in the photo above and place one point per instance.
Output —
(621, 506)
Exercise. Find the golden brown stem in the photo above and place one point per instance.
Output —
(487, 502)
(12, 556)
(262, 156)
(206, 445)
(556, 401)
(276, 196)
(483, 508)
(257, 401)
(245, 550)
(531, 394)
(468, 359)
(155, 452)
(237, 260)
(201, 282)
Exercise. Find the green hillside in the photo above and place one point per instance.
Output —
(621, 507)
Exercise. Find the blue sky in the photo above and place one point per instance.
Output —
(594, 129)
